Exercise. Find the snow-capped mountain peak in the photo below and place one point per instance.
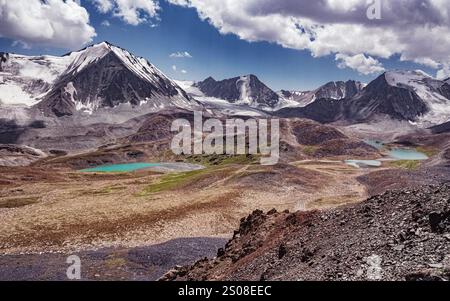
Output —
(434, 93)
(98, 76)
(405, 77)
(82, 58)
(91, 54)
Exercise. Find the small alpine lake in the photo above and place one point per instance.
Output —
(130, 167)
(407, 154)
(393, 154)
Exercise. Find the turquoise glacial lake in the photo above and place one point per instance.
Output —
(128, 167)
(406, 154)
(394, 154)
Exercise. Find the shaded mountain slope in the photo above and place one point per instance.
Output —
(246, 89)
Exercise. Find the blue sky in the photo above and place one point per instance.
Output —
(179, 28)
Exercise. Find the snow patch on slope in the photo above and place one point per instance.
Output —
(218, 105)
(71, 91)
(224, 107)
(24, 78)
(189, 87)
(243, 84)
(45, 68)
(12, 93)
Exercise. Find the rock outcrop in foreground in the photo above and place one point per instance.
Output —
(400, 235)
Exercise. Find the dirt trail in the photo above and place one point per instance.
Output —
(224, 180)
(342, 187)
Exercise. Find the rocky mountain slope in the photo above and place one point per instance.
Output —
(400, 235)
(386, 96)
(306, 139)
(246, 89)
(15, 155)
(99, 76)
(3, 59)
(441, 128)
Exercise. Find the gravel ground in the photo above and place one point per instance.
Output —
(141, 264)
(399, 235)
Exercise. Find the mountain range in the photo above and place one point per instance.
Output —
(332, 90)
(402, 95)
(104, 76)
(99, 76)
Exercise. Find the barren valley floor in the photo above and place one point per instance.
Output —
(51, 209)
(60, 210)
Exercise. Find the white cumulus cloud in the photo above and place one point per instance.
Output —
(104, 6)
(54, 23)
(133, 12)
(359, 62)
(415, 30)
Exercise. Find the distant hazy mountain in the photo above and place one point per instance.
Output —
(332, 90)
(404, 95)
(248, 90)
(99, 76)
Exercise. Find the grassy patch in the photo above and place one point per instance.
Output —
(429, 151)
(175, 180)
(215, 160)
(310, 150)
(254, 170)
(406, 164)
(217, 167)
(115, 262)
(18, 202)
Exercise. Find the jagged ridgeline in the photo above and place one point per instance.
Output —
(99, 76)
